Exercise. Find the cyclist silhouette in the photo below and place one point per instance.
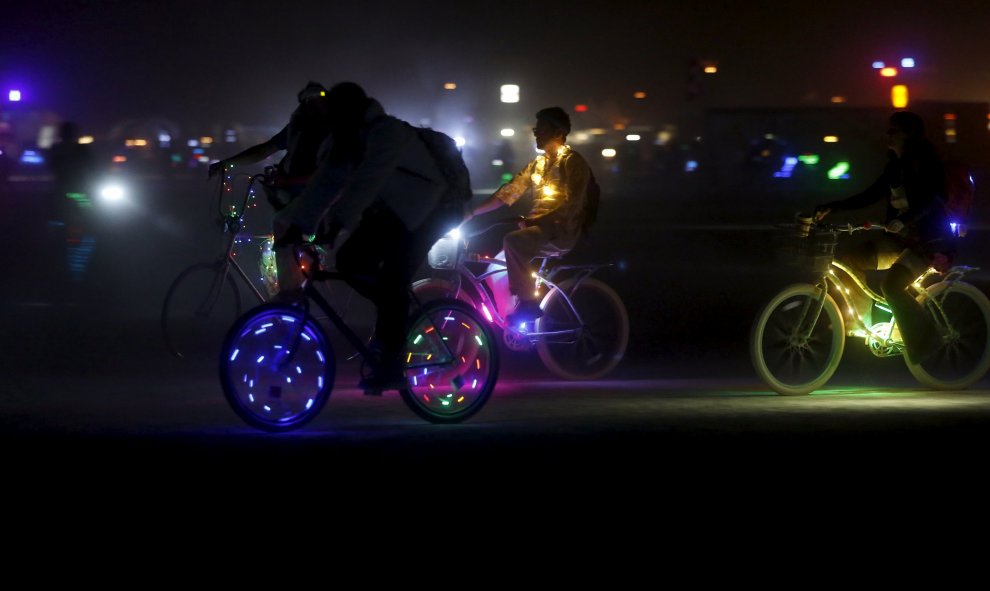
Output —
(918, 233)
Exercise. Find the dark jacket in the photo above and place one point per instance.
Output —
(919, 172)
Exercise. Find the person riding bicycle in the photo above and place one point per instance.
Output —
(300, 138)
(558, 179)
(917, 234)
(378, 181)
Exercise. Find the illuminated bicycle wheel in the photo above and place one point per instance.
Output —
(587, 331)
(198, 309)
(277, 368)
(963, 320)
(795, 347)
(451, 362)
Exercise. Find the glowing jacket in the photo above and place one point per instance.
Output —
(559, 188)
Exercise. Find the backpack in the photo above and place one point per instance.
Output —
(592, 197)
(959, 192)
(449, 160)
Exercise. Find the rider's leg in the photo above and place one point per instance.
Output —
(917, 330)
(520, 247)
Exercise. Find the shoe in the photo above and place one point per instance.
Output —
(374, 385)
(526, 311)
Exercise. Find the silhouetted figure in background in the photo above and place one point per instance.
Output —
(558, 180)
(73, 166)
(300, 138)
(377, 179)
(918, 233)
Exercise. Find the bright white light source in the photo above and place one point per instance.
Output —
(455, 233)
(460, 141)
(508, 132)
(608, 153)
(14, 96)
(879, 65)
(907, 62)
(510, 93)
(112, 193)
(632, 137)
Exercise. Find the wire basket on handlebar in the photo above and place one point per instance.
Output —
(799, 246)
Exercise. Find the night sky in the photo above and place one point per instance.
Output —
(199, 62)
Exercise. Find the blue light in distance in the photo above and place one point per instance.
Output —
(907, 62)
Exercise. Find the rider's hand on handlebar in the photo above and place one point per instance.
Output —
(216, 168)
(821, 212)
(895, 226)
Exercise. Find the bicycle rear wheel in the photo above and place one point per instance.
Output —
(794, 348)
(452, 362)
(964, 356)
(199, 307)
(277, 367)
(596, 337)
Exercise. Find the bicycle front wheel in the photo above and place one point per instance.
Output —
(591, 326)
(798, 340)
(277, 368)
(452, 362)
(962, 315)
(199, 307)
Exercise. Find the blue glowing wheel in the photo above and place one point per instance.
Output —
(451, 362)
(276, 367)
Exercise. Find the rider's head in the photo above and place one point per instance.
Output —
(313, 99)
(552, 125)
(347, 102)
(906, 128)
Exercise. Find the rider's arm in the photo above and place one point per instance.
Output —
(507, 194)
(880, 189)
(253, 154)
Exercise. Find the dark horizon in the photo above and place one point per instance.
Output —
(102, 62)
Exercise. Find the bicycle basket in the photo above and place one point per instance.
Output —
(814, 250)
(446, 253)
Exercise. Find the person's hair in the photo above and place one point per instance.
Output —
(347, 99)
(910, 123)
(311, 90)
(556, 117)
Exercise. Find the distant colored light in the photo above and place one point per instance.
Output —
(581, 108)
(460, 141)
(135, 143)
(498, 162)
(838, 99)
(888, 72)
(691, 166)
(633, 137)
(506, 177)
(899, 96)
(14, 96)
(787, 169)
(952, 116)
(608, 153)
(907, 62)
(839, 171)
(711, 69)
(507, 132)
(206, 140)
(830, 139)
(164, 138)
(879, 65)
(619, 126)
(31, 157)
(192, 143)
(450, 86)
(639, 95)
(119, 158)
(809, 159)
(510, 93)
(86, 139)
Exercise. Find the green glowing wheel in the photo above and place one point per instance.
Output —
(452, 362)
(962, 314)
(797, 340)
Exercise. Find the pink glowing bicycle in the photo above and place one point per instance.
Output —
(584, 330)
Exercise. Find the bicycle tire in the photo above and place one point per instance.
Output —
(789, 363)
(277, 367)
(452, 392)
(603, 339)
(964, 357)
(198, 310)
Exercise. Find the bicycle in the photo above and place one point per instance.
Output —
(277, 365)
(584, 330)
(799, 337)
(205, 298)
